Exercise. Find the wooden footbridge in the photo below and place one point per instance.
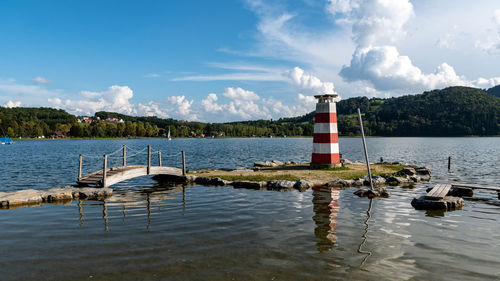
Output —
(110, 176)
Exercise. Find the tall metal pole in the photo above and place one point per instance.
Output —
(149, 159)
(183, 163)
(80, 167)
(364, 147)
(104, 171)
(124, 155)
(159, 158)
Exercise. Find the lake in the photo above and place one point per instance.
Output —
(150, 231)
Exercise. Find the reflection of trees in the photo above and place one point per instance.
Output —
(326, 209)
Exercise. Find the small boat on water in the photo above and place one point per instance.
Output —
(168, 135)
(6, 141)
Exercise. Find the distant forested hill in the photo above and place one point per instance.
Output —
(494, 91)
(454, 111)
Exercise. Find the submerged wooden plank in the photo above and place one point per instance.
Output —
(477, 187)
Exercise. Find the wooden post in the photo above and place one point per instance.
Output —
(104, 171)
(364, 146)
(449, 162)
(80, 167)
(149, 159)
(183, 163)
(159, 158)
(124, 155)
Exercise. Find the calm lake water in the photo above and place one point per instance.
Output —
(146, 231)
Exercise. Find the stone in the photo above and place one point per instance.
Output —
(393, 181)
(303, 185)
(278, 163)
(90, 193)
(58, 194)
(261, 164)
(280, 184)
(447, 203)
(248, 184)
(408, 171)
(376, 180)
(415, 178)
(21, 197)
(460, 192)
(423, 171)
(339, 183)
(358, 182)
(190, 178)
(211, 181)
(425, 177)
(376, 192)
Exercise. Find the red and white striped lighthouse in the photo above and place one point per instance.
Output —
(325, 152)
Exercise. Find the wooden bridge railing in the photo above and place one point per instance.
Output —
(124, 163)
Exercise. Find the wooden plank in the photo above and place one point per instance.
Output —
(438, 192)
(477, 187)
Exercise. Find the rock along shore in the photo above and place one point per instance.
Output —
(60, 194)
(406, 176)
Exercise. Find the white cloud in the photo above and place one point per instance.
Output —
(11, 104)
(309, 84)
(240, 104)
(152, 75)
(240, 94)
(486, 83)
(55, 101)
(447, 41)
(115, 99)
(41, 80)
(341, 6)
(381, 21)
(386, 69)
(183, 107)
(245, 73)
(10, 87)
(308, 101)
(210, 103)
(282, 36)
(491, 44)
(151, 109)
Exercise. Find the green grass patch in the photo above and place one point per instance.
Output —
(336, 169)
(241, 177)
(395, 168)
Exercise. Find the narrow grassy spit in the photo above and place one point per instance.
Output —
(300, 171)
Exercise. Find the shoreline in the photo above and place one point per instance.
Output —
(291, 137)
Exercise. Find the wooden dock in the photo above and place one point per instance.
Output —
(438, 192)
(110, 176)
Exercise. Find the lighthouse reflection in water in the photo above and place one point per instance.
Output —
(326, 209)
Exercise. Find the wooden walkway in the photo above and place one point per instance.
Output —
(117, 174)
(110, 176)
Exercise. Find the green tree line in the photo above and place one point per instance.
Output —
(454, 111)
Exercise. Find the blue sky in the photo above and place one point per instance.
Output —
(237, 60)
